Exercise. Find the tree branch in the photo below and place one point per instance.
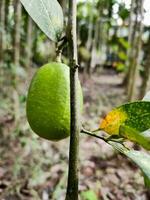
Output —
(72, 188)
(112, 138)
(93, 135)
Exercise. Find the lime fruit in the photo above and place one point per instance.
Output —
(48, 101)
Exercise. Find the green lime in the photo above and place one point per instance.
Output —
(48, 101)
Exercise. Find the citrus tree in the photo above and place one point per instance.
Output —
(54, 102)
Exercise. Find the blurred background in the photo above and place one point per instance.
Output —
(114, 58)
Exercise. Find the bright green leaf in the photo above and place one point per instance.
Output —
(48, 15)
(89, 195)
(141, 159)
(120, 67)
(124, 43)
(146, 181)
(142, 138)
(122, 55)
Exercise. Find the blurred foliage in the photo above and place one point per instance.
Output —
(89, 195)
(102, 26)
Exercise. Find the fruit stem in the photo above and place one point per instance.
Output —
(72, 187)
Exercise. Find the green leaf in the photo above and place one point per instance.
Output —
(141, 159)
(135, 115)
(48, 15)
(142, 138)
(122, 55)
(146, 181)
(123, 12)
(131, 121)
(120, 66)
(146, 97)
(89, 195)
(124, 43)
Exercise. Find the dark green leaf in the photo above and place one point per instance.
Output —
(48, 15)
(123, 12)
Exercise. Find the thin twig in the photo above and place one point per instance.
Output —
(93, 135)
(111, 138)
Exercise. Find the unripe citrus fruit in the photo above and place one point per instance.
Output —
(48, 101)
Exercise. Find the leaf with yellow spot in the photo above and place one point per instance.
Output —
(111, 123)
(130, 121)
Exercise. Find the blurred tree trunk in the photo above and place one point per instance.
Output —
(7, 16)
(29, 42)
(110, 12)
(97, 35)
(146, 74)
(35, 42)
(91, 47)
(135, 47)
(17, 31)
(95, 44)
(131, 36)
(16, 57)
(90, 27)
(99, 39)
(2, 30)
(90, 41)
